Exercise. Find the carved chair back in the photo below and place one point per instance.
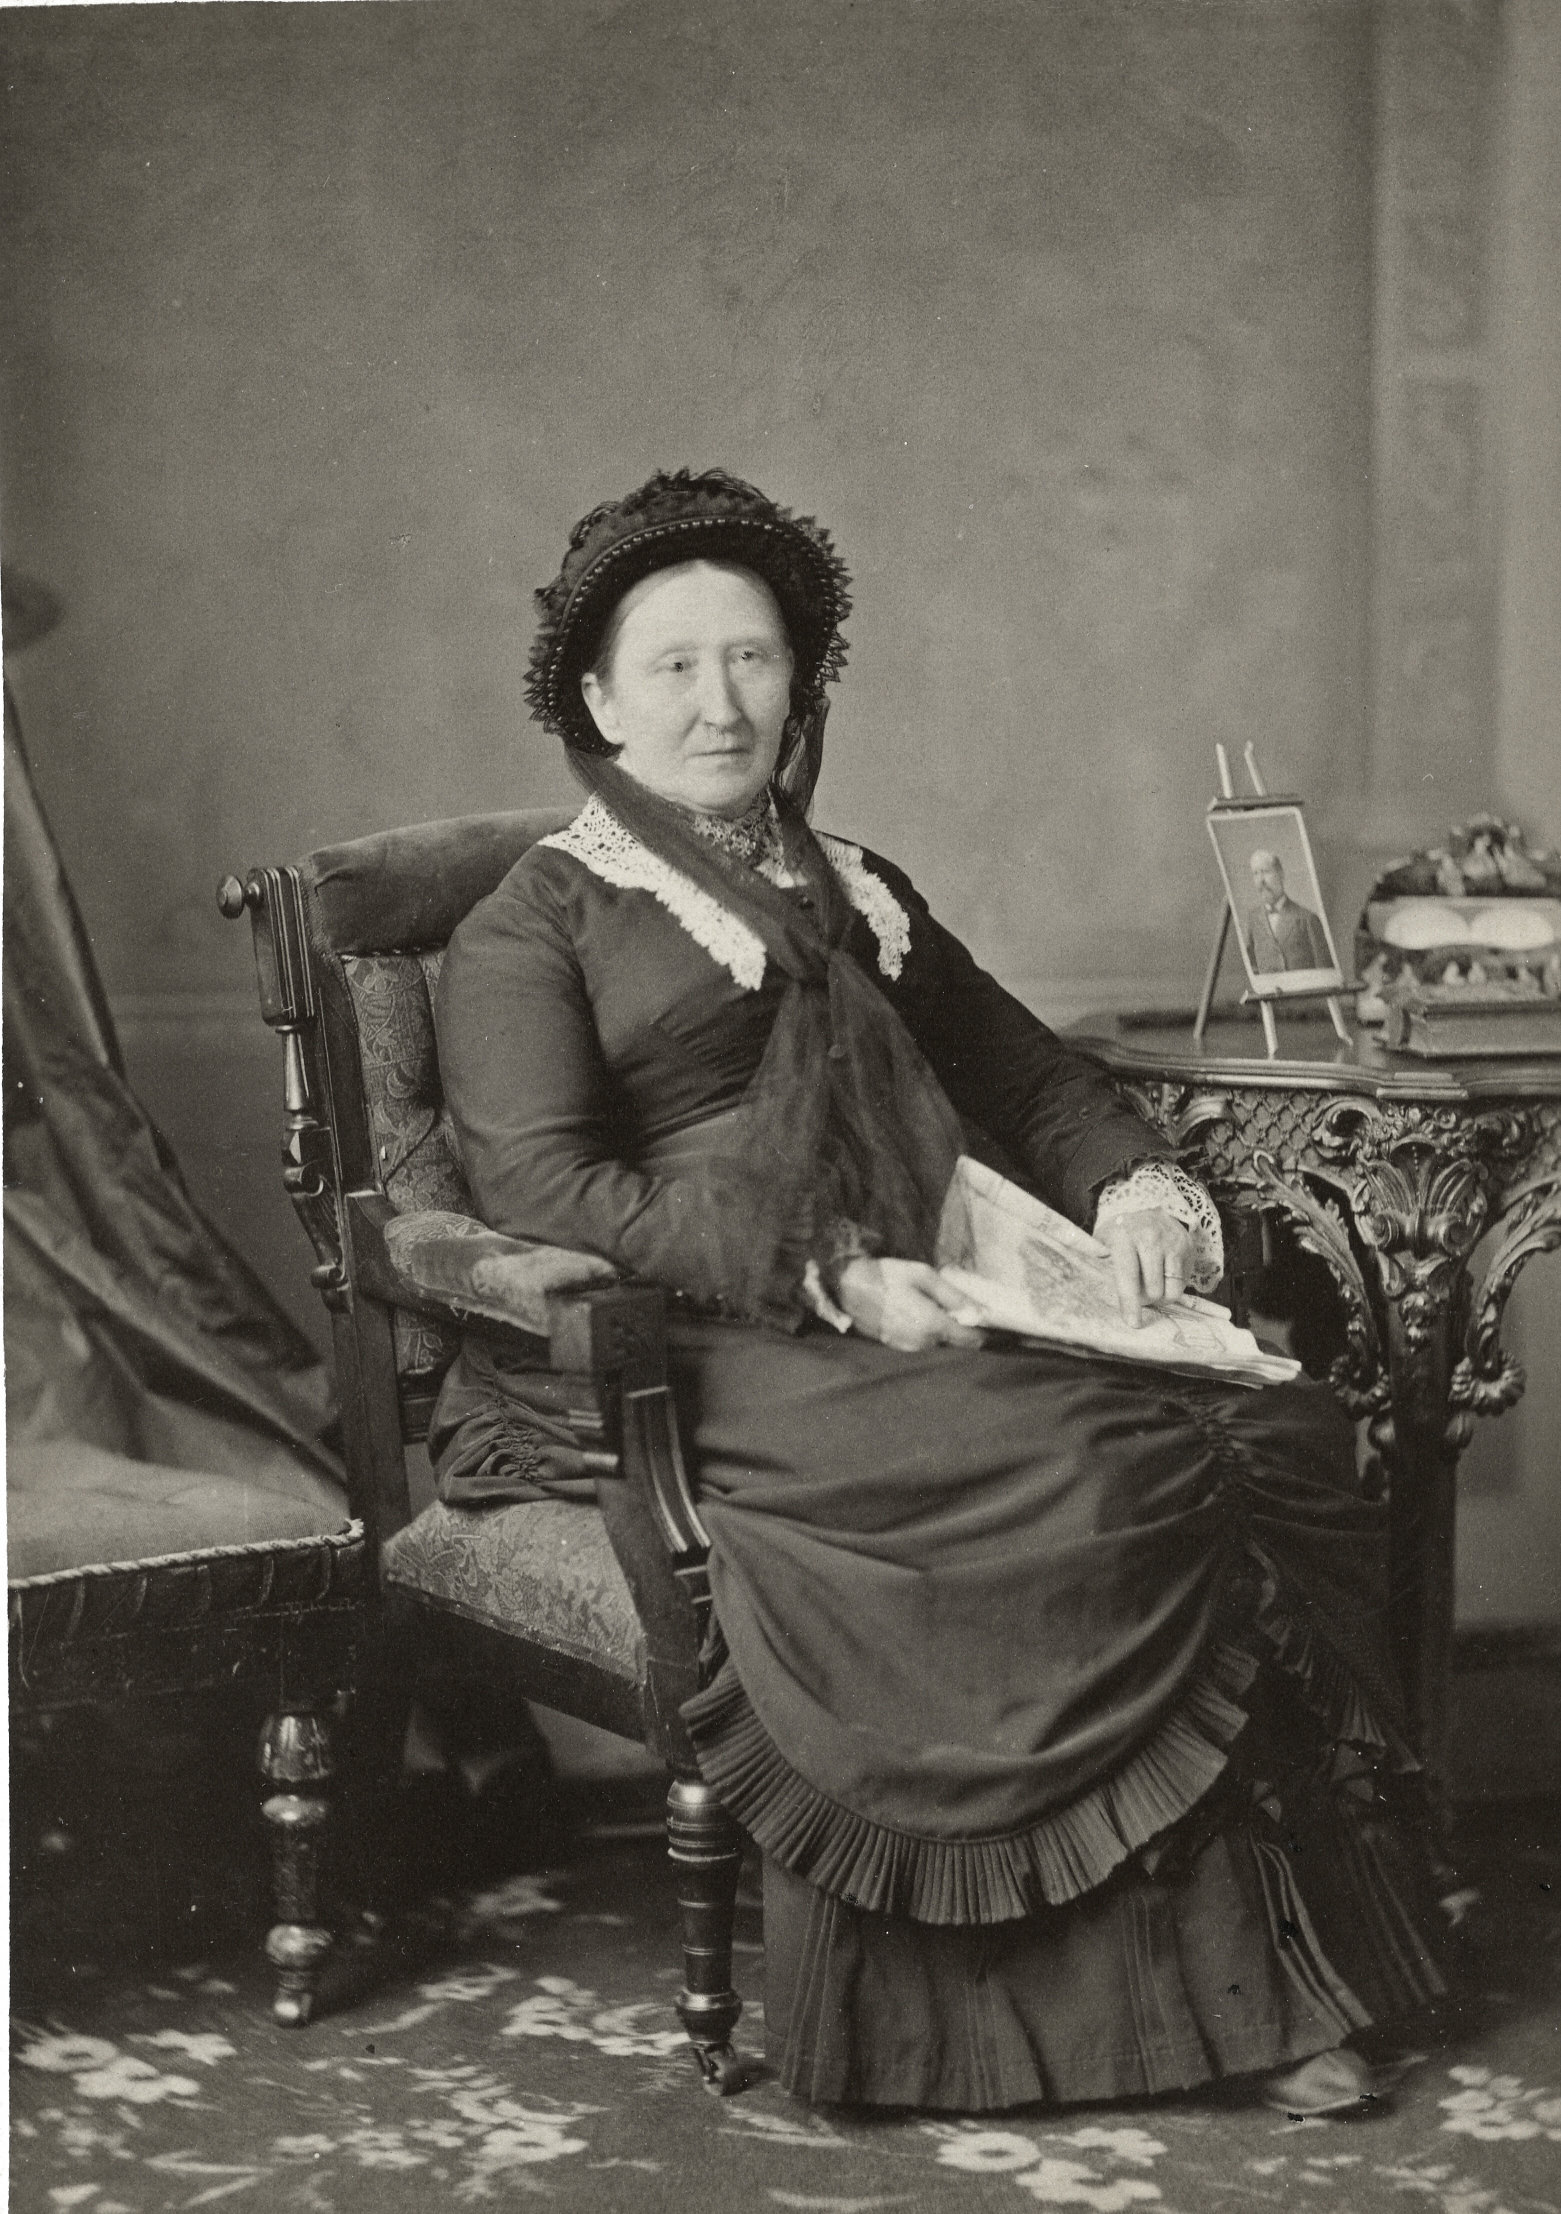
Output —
(348, 947)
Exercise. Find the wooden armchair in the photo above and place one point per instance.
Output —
(598, 1612)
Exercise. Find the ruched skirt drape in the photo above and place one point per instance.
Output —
(1055, 1693)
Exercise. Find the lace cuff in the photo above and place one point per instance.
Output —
(1162, 1184)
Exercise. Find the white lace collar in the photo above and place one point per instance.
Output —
(600, 843)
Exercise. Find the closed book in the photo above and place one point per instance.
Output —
(1462, 1021)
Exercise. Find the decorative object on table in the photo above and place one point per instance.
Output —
(1273, 897)
(1483, 910)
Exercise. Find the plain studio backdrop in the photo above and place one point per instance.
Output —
(1080, 325)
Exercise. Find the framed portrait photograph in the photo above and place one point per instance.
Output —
(1276, 904)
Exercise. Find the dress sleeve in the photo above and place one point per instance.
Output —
(532, 1102)
(1053, 1110)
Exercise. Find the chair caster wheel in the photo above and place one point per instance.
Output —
(720, 2070)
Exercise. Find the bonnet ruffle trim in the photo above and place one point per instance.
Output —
(680, 515)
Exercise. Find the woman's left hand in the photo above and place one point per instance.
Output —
(1151, 1255)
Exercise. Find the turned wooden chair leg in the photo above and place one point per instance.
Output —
(706, 1848)
(297, 1762)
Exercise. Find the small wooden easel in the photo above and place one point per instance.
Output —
(1228, 802)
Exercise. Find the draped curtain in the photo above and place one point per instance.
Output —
(139, 1345)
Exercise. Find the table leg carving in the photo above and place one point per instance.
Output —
(1391, 1175)
(1359, 1376)
(1394, 1197)
(1419, 1187)
(1421, 1231)
(1421, 1216)
(1487, 1380)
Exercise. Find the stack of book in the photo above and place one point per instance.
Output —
(1466, 1021)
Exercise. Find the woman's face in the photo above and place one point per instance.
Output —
(697, 686)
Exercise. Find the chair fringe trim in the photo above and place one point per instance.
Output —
(346, 1535)
(959, 1882)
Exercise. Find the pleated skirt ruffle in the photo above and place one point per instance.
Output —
(1281, 1921)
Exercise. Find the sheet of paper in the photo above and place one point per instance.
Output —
(1024, 1268)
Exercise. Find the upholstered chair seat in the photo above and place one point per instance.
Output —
(547, 1563)
(71, 1506)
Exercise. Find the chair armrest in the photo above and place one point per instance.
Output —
(607, 1341)
(607, 1337)
(448, 1264)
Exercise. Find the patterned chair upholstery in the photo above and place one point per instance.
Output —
(597, 1611)
(392, 997)
(547, 1564)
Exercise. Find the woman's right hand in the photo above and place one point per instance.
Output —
(903, 1304)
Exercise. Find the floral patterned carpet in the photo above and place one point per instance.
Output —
(515, 2036)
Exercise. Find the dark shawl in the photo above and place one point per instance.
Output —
(844, 1117)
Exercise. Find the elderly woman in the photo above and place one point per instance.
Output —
(1053, 1690)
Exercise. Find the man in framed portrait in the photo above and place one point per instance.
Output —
(1281, 933)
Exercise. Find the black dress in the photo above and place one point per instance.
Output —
(1053, 1690)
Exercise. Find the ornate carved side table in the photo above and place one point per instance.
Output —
(1391, 1170)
